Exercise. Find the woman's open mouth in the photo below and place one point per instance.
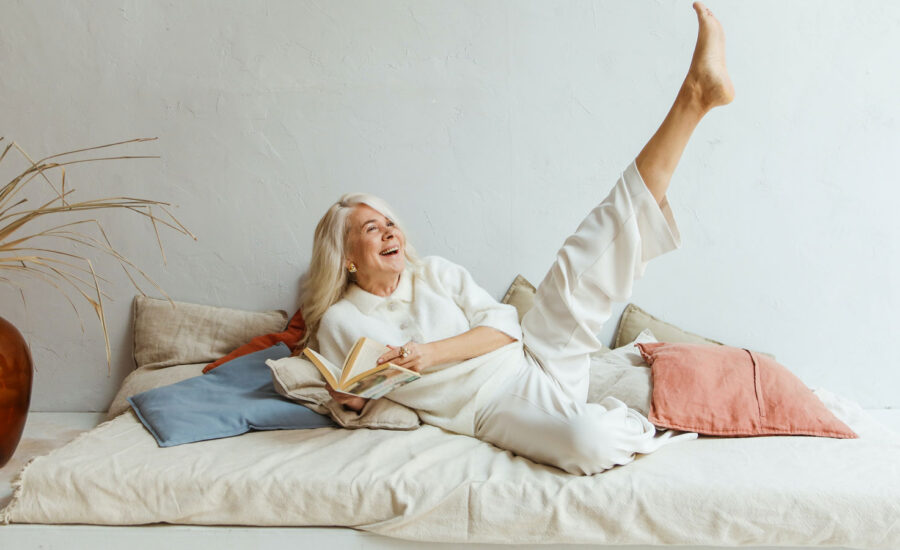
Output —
(390, 251)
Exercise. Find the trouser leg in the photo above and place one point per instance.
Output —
(534, 418)
(595, 266)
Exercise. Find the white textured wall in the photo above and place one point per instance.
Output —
(492, 127)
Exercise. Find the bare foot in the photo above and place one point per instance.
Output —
(707, 80)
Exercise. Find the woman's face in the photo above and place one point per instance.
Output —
(374, 244)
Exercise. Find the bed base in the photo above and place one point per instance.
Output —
(192, 537)
(46, 431)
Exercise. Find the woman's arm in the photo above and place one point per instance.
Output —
(492, 324)
(472, 343)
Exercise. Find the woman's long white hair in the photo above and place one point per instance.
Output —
(327, 278)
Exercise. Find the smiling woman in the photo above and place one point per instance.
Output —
(523, 388)
(339, 249)
(376, 253)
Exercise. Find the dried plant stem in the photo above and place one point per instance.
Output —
(57, 267)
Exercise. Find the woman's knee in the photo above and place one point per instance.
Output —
(598, 442)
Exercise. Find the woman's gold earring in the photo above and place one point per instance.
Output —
(352, 268)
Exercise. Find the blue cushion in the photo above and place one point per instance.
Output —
(234, 398)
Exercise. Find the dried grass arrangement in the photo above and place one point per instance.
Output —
(22, 252)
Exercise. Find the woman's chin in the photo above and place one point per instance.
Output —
(398, 263)
(398, 259)
(394, 263)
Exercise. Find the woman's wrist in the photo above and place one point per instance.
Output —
(472, 343)
(433, 353)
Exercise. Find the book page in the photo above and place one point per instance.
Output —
(329, 371)
(382, 382)
(363, 358)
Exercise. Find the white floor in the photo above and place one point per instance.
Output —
(47, 431)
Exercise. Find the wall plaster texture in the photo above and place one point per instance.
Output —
(492, 127)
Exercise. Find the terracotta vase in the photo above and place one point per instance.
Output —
(15, 388)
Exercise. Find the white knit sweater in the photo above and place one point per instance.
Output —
(436, 300)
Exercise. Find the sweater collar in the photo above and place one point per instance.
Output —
(366, 301)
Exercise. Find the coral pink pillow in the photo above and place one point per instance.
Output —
(721, 390)
(290, 336)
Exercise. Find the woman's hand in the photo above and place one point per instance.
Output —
(418, 357)
(350, 401)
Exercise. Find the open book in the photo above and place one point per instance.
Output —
(361, 374)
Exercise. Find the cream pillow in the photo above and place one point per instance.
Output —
(623, 374)
(300, 381)
(166, 335)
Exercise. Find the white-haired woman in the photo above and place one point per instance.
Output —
(522, 388)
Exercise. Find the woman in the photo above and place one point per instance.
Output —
(524, 388)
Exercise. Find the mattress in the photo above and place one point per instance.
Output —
(431, 485)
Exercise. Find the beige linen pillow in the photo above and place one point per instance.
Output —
(520, 295)
(623, 374)
(635, 319)
(145, 379)
(191, 333)
(300, 381)
(172, 344)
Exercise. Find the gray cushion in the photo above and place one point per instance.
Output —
(147, 378)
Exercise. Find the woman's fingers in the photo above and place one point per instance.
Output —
(337, 396)
(352, 401)
(389, 355)
(410, 355)
(413, 359)
(395, 355)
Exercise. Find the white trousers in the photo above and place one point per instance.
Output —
(542, 413)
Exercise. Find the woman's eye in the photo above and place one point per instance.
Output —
(390, 224)
(371, 227)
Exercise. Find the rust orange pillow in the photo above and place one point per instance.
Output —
(290, 336)
(721, 390)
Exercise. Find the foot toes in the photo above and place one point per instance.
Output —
(702, 10)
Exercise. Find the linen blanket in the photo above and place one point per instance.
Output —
(431, 485)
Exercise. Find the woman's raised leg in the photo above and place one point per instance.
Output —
(706, 85)
(610, 249)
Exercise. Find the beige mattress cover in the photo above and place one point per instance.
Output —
(432, 485)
